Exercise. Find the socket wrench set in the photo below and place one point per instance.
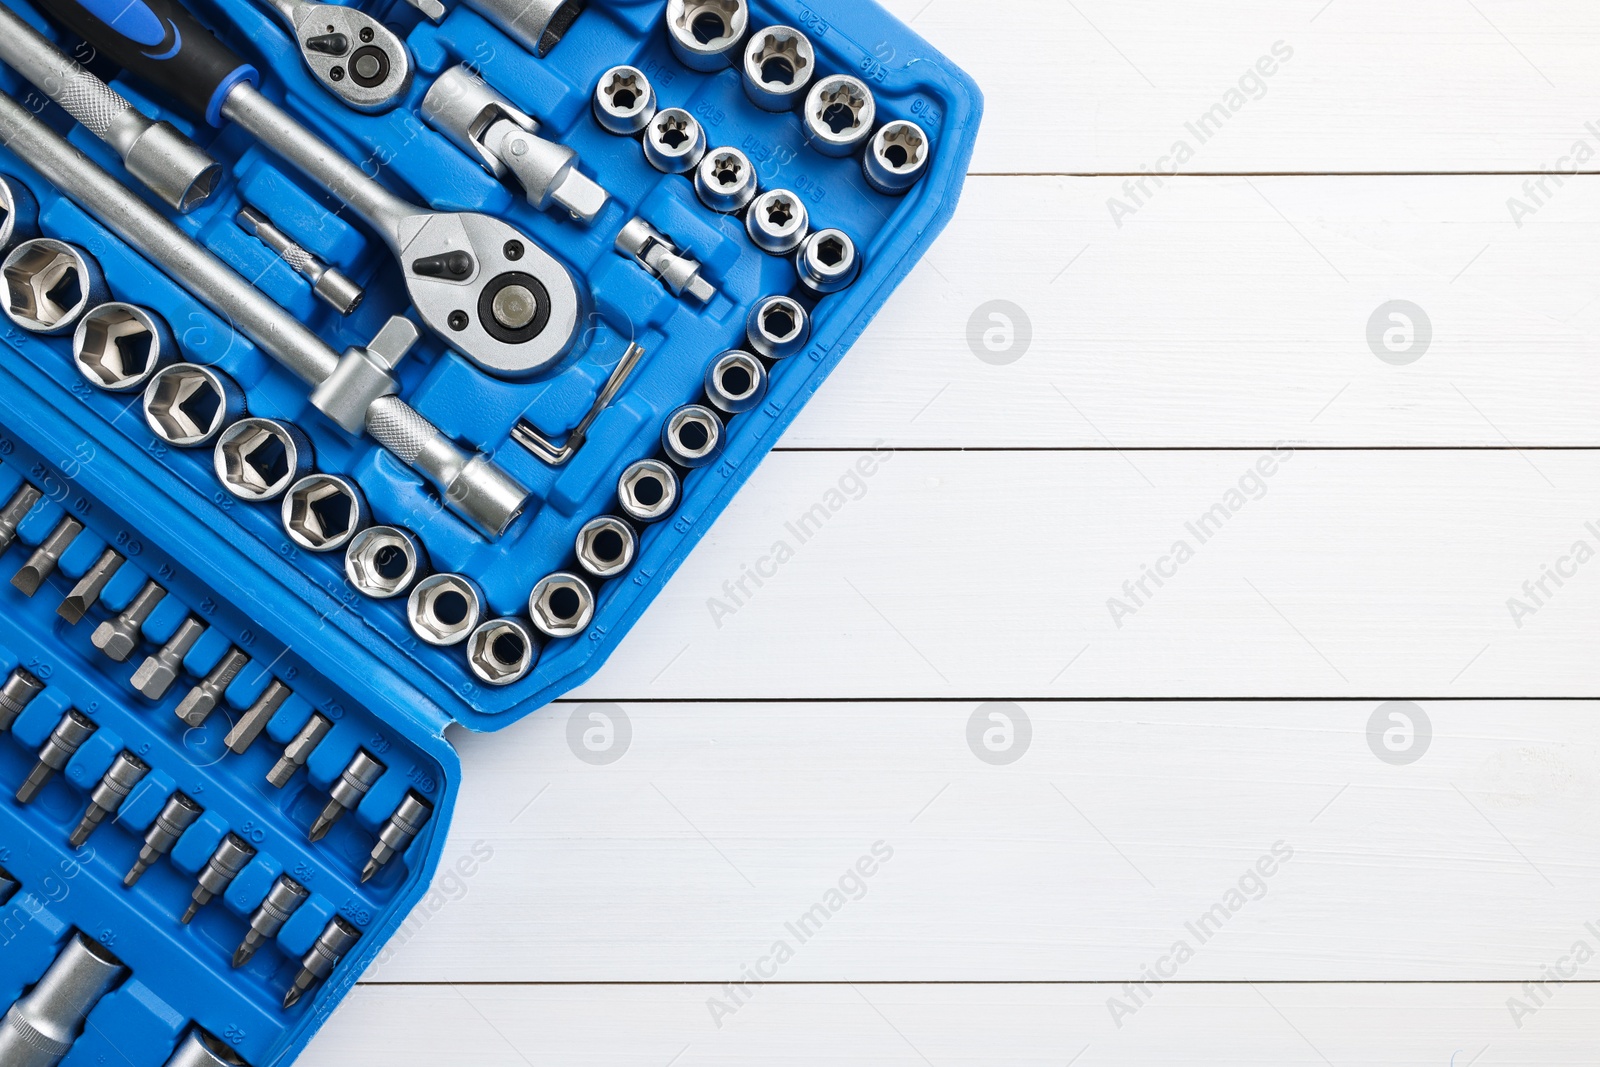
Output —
(369, 368)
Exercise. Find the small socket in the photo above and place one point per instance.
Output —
(674, 142)
(444, 609)
(322, 512)
(779, 63)
(19, 213)
(778, 328)
(187, 405)
(259, 459)
(606, 546)
(561, 605)
(624, 101)
(778, 222)
(828, 262)
(383, 562)
(705, 34)
(648, 491)
(736, 382)
(897, 158)
(50, 284)
(692, 436)
(725, 181)
(118, 347)
(840, 115)
(502, 651)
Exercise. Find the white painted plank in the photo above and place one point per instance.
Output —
(721, 825)
(1020, 1026)
(1233, 311)
(1107, 86)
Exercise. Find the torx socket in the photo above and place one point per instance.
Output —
(298, 750)
(778, 222)
(840, 115)
(897, 158)
(127, 771)
(398, 833)
(336, 940)
(118, 637)
(65, 740)
(219, 872)
(674, 141)
(203, 699)
(90, 586)
(178, 814)
(41, 1028)
(624, 101)
(354, 783)
(43, 562)
(779, 63)
(256, 717)
(15, 696)
(156, 675)
(725, 181)
(705, 35)
(16, 509)
(283, 900)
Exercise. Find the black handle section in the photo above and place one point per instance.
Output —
(161, 42)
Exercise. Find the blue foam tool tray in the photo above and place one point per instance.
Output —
(229, 566)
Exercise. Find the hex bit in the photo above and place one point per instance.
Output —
(354, 783)
(330, 948)
(398, 833)
(16, 509)
(299, 749)
(176, 817)
(15, 696)
(218, 874)
(203, 699)
(90, 586)
(65, 740)
(127, 771)
(256, 717)
(118, 637)
(159, 671)
(43, 562)
(282, 901)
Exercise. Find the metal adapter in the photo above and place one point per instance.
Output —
(331, 285)
(40, 1029)
(653, 251)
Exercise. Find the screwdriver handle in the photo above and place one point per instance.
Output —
(161, 42)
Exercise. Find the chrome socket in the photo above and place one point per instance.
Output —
(840, 115)
(50, 284)
(322, 512)
(200, 1049)
(403, 826)
(177, 815)
(282, 901)
(624, 101)
(118, 347)
(63, 743)
(725, 181)
(230, 857)
(537, 25)
(692, 436)
(127, 771)
(705, 34)
(897, 158)
(778, 327)
(353, 784)
(187, 405)
(501, 652)
(648, 491)
(674, 141)
(41, 1028)
(445, 608)
(383, 562)
(16, 694)
(828, 262)
(736, 382)
(778, 222)
(259, 459)
(779, 64)
(19, 213)
(336, 940)
(606, 546)
(561, 605)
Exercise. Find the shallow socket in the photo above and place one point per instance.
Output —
(606, 546)
(648, 491)
(187, 405)
(779, 63)
(50, 284)
(897, 158)
(778, 222)
(561, 605)
(725, 181)
(445, 609)
(692, 436)
(778, 328)
(259, 459)
(840, 114)
(118, 347)
(322, 512)
(705, 35)
(828, 262)
(383, 562)
(624, 100)
(736, 382)
(502, 651)
(674, 141)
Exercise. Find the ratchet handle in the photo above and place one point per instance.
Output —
(161, 42)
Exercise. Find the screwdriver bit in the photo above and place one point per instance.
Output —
(127, 771)
(298, 750)
(16, 509)
(353, 784)
(256, 717)
(159, 671)
(90, 586)
(16, 694)
(118, 637)
(68, 736)
(398, 833)
(203, 699)
(282, 901)
(43, 562)
(219, 872)
(324, 956)
(176, 816)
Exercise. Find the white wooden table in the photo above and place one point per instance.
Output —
(1171, 745)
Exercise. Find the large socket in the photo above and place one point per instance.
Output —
(50, 284)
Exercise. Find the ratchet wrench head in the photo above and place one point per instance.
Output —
(352, 54)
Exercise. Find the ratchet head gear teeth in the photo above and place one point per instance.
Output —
(354, 56)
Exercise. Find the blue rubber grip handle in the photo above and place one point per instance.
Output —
(161, 42)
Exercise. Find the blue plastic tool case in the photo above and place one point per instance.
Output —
(229, 564)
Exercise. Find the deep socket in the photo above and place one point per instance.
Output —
(41, 1028)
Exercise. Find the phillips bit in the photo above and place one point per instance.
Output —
(176, 816)
(298, 750)
(118, 637)
(324, 956)
(353, 784)
(16, 509)
(90, 586)
(16, 694)
(255, 719)
(398, 833)
(218, 873)
(203, 699)
(127, 771)
(68, 736)
(43, 562)
(282, 901)
(159, 671)
(41, 1027)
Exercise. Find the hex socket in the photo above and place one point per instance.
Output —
(383, 562)
(40, 1029)
(444, 609)
(50, 284)
(647, 491)
(778, 328)
(561, 605)
(187, 405)
(257, 460)
(118, 347)
(736, 382)
(606, 546)
(323, 512)
(19, 213)
(692, 436)
(828, 262)
(502, 651)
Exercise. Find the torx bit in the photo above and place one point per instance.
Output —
(256, 717)
(15, 695)
(118, 637)
(159, 671)
(127, 771)
(41, 1028)
(398, 833)
(353, 784)
(16, 509)
(203, 699)
(68, 736)
(43, 562)
(324, 956)
(90, 586)
(176, 816)
(282, 901)
(219, 872)
(298, 750)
